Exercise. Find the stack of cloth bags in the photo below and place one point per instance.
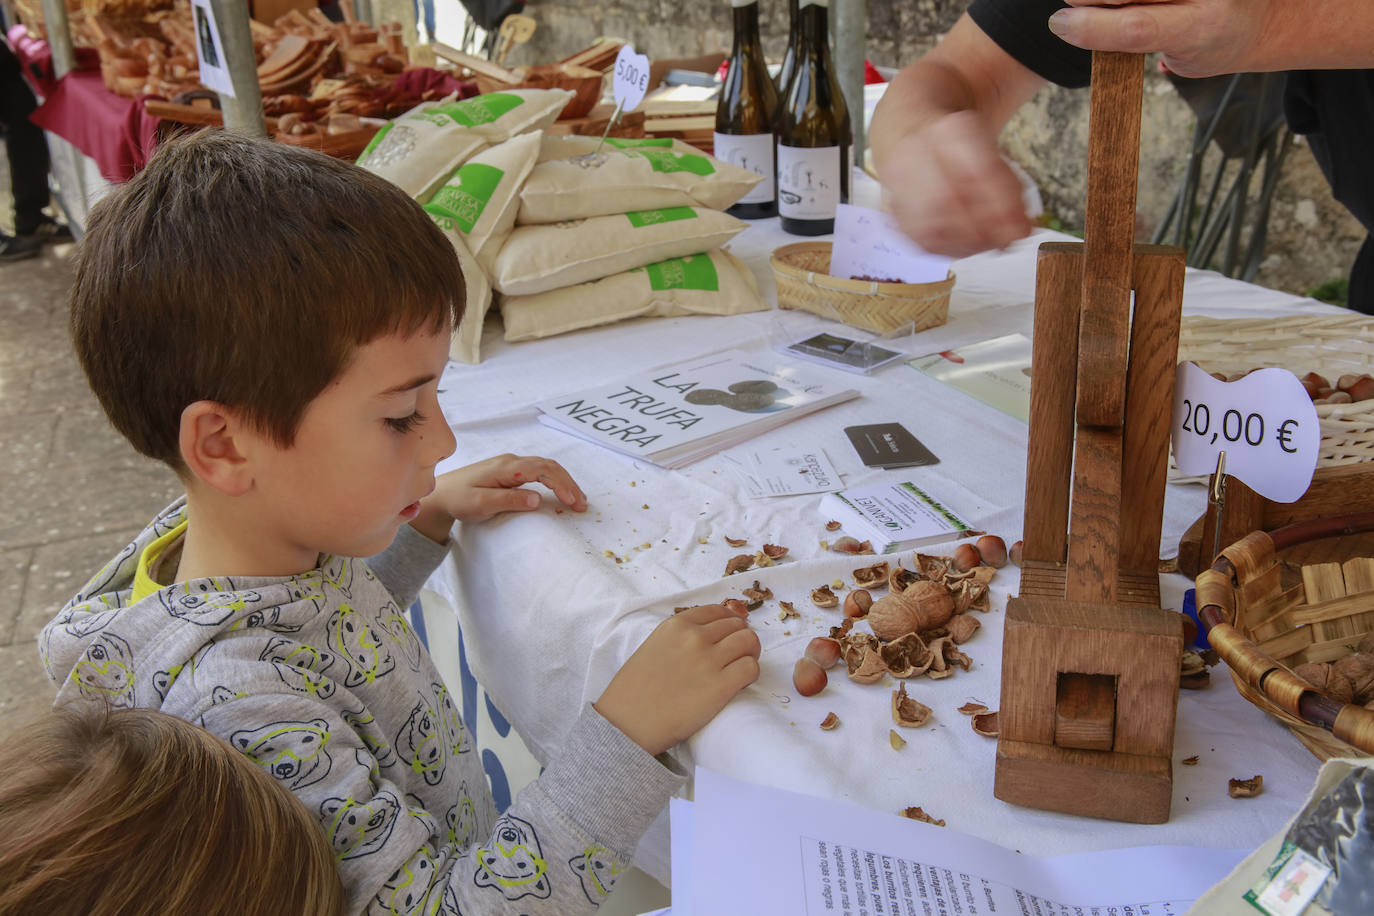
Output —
(567, 232)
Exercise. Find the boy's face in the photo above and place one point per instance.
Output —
(364, 453)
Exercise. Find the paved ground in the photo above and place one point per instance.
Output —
(72, 491)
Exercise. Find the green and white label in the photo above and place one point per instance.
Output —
(662, 160)
(641, 218)
(692, 272)
(480, 109)
(461, 202)
(638, 142)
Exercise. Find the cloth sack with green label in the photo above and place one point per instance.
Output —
(536, 259)
(419, 150)
(621, 180)
(712, 283)
(564, 146)
(481, 198)
(465, 344)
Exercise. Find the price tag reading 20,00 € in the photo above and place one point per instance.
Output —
(1264, 422)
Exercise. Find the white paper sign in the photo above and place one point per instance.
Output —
(214, 68)
(785, 472)
(1264, 422)
(869, 245)
(631, 78)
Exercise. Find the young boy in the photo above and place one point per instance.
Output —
(134, 812)
(273, 325)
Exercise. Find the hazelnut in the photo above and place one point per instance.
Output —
(808, 677)
(857, 603)
(1338, 397)
(1362, 390)
(1314, 382)
(965, 558)
(1014, 555)
(824, 651)
(1348, 380)
(992, 550)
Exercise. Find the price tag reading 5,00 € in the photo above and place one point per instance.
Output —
(1265, 423)
(631, 78)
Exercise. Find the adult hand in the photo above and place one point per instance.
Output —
(477, 492)
(951, 191)
(1196, 37)
(691, 665)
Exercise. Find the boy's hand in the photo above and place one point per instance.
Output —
(691, 665)
(479, 491)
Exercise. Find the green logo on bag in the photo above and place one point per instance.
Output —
(663, 160)
(462, 200)
(638, 142)
(692, 272)
(641, 218)
(480, 109)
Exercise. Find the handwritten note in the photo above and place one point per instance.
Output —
(869, 246)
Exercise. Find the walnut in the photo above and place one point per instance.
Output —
(907, 712)
(1326, 681)
(1359, 670)
(924, 606)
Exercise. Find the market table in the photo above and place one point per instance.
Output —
(548, 613)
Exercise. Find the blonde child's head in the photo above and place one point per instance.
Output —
(132, 811)
(246, 273)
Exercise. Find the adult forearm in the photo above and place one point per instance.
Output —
(920, 94)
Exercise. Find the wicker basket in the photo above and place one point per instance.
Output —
(803, 284)
(1262, 629)
(584, 83)
(1329, 344)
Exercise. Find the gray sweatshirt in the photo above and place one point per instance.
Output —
(319, 678)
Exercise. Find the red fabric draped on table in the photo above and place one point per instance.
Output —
(114, 131)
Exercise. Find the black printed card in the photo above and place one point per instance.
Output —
(888, 446)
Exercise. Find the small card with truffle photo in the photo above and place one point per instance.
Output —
(843, 352)
(677, 414)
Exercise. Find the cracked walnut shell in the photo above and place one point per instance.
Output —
(907, 712)
(874, 576)
(822, 596)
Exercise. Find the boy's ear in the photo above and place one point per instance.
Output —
(214, 444)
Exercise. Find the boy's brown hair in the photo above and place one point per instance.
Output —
(247, 272)
(133, 811)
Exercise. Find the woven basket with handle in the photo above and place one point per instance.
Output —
(1331, 345)
(803, 284)
(1262, 629)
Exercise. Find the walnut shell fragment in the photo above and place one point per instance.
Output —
(857, 603)
(907, 712)
(832, 525)
(739, 564)
(736, 542)
(757, 595)
(985, 724)
(774, 551)
(932, 567)
(787, 610)
(736, 605)
(962, 627)
(848, 544)
(830, 722)
(874, 576)
(896, 740)
(901, 578)
(822, 596)
(917, 814)
(864, 664)
(907, 656)
(1245, 788)
(1189, 761)
(972, 709)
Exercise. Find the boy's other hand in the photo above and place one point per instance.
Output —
(479, 491)
(691, 665)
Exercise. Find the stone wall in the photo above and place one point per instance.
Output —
(1312, 238)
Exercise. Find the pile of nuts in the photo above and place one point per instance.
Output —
(1346, 680)
(1348, 388)
(917, 627)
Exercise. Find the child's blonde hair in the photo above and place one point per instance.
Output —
(132, 811)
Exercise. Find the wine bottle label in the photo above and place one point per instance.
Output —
(753, 152)
(808, 181)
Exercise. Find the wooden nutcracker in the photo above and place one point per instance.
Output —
(1090, 662)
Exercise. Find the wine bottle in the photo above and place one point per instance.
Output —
(747, 113)
(813, 132)
(789, 57)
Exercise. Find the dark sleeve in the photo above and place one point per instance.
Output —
(1020, 28)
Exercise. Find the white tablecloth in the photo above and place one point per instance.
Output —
(548, 618)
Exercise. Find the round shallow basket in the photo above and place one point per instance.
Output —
(803, 284)
(584, 82)
(1331, 345)
(1263, 628)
